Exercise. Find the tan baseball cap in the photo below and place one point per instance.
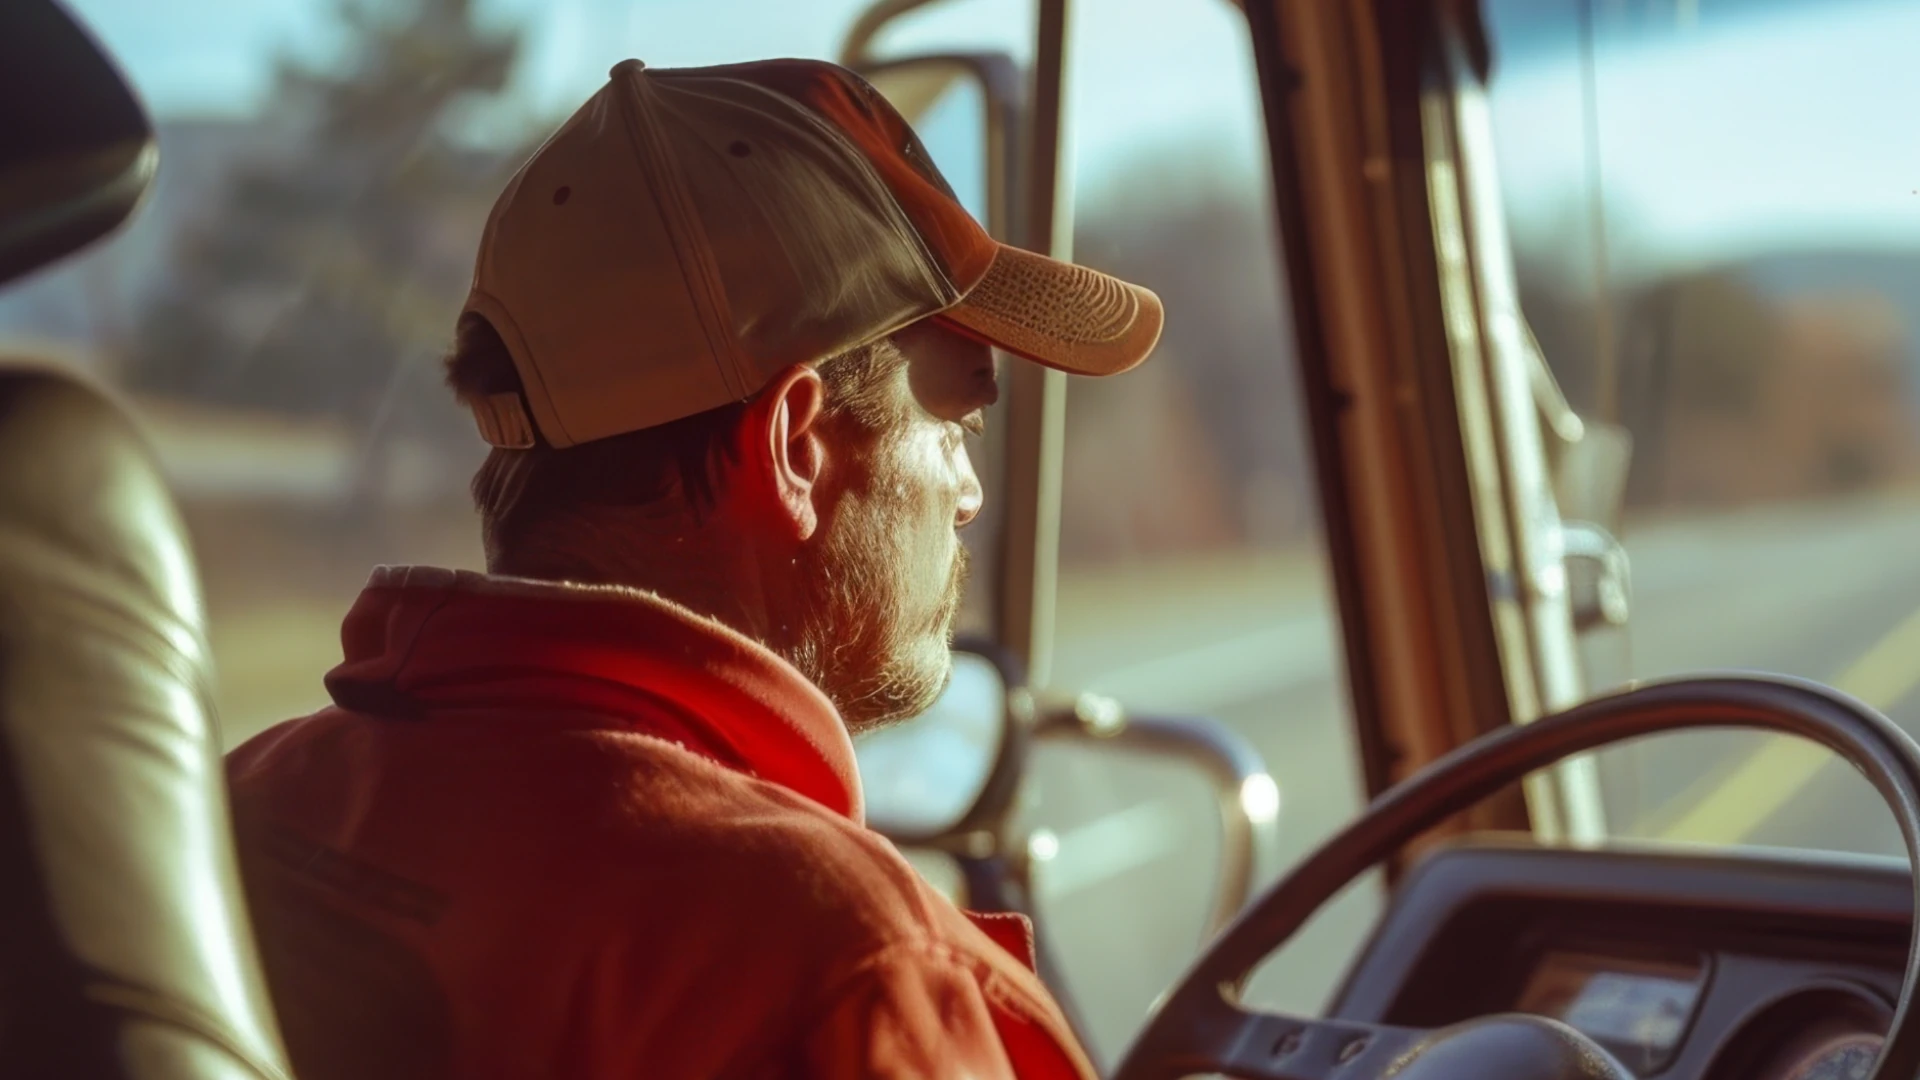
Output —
(692, 232)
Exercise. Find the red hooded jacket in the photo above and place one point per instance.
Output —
(561, 831)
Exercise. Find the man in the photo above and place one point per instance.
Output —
(595, 812)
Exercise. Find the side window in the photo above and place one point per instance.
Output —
(1192, 581)
(1718, 247)
(277, 308)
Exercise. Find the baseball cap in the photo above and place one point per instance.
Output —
(691, 232)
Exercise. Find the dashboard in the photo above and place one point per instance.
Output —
(1687, 963)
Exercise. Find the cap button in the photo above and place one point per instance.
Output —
(625, 66)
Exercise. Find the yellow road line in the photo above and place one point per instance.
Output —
(1783, 766)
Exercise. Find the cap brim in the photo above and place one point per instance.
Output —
(1064, 316)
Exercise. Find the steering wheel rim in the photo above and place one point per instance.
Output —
(1200, 1028)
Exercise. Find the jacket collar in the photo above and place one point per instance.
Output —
(424, 639)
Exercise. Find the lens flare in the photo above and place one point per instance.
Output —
(1260, 798)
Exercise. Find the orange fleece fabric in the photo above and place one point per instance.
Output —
(563, 831)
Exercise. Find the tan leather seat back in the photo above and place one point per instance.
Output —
(125, 950)
(124, 946)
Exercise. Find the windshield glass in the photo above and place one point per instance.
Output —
(1715, 212)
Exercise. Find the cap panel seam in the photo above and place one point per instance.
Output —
(661, 165)
(858, 158)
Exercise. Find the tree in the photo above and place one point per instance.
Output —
(1187, 223)
(330, 273)
(1691, 346)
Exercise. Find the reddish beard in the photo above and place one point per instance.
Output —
(859, 642)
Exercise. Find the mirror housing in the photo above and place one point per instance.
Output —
(948, 779)
(1590, 486)
(1247, 797)
(963, 805)
(1590, 475)
(947, 772)
(76, 148)
(1599, 576)
(1589, 461)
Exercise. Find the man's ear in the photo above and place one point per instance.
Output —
(784, 449)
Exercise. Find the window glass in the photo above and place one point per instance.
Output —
(277, 309)
(1192, 581)
(1716, 224)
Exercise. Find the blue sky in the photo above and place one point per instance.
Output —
(1729, 135)
(1734, 137)
(201, 56)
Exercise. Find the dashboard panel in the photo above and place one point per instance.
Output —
(1687, 963)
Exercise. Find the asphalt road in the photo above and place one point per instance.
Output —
(1830, 592)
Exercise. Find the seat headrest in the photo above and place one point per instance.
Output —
(125, 950)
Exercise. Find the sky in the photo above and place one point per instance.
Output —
(1737, 137)
(212, 56)
(1722, 136)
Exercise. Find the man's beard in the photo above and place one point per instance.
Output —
(877, 660)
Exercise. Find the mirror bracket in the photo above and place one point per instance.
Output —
(1607, 602)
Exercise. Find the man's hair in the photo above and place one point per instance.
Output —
(515, 489)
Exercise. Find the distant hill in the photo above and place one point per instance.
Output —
(1530, 31)
(1892, 274)
(88, 302)
(1895, 274)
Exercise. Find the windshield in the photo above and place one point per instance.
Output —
(1715, 211)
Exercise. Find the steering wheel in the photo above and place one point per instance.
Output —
(1201, 1028)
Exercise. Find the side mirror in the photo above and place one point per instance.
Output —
(1589, 462)
(1599, 576)
(1590, 475)
(948, 781)
(1246, 795)
(1590, 484)
(966, 108)
(929, 777)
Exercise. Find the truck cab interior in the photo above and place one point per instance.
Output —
(1495, 662)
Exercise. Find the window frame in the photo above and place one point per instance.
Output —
(1417, 441)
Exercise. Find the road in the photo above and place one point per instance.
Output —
(1830, 592)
